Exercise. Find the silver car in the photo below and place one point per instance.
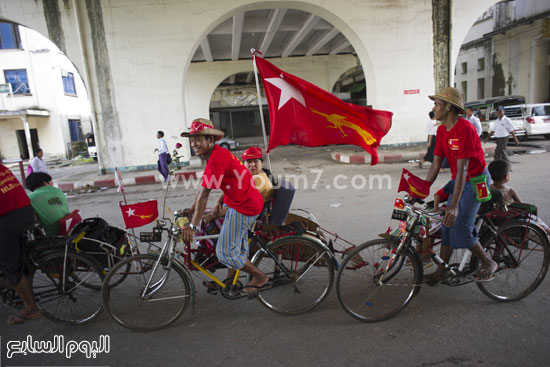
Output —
(228, 143)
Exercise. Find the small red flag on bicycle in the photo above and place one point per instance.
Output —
(139, 214)
(304, 114)
(413, 185)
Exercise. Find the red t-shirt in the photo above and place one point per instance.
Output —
(224, 171)
(461, 142)
(12, 194)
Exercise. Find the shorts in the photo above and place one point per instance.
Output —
(232, 246)
(12, 259)
(462, 234)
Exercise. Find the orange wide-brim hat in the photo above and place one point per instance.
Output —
(252, 153)
(202, 126)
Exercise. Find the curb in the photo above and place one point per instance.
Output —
(130, 181)
(354, 158)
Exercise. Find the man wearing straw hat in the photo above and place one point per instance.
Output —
(457, 140)
(225, 172)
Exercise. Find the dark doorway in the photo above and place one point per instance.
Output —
(22, 143)
(240, 122)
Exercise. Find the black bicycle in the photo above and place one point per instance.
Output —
(66, 282)
(379, 278)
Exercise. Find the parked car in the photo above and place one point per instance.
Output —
(536, 119)
(92, 149)
(228, 143)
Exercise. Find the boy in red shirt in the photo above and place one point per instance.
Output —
(457, 140)
(224, 171)
(15, 214)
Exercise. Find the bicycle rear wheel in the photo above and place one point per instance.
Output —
(359, 287)
(311, 275)
(522, 255)
(164, 302)
(66, 288)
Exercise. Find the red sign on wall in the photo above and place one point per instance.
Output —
(412, 91)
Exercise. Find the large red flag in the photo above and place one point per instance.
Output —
(415, 186)
(304, 114)
(139, 214)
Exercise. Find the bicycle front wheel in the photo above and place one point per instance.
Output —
(367, 291)
(521, 252)
(150, 297)
(310, 275)
(67, 287)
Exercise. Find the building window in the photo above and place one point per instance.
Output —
(68, 83)
(481, 88)
(75, 130)
(464, 67)
(9, 36)
(481, 64)
(465, 89)
(18, 80)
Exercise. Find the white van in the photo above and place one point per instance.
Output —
(536, 119)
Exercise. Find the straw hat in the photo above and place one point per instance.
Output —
(252, 153)
(450, 95)
(202, 126)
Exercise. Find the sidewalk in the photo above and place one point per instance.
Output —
(88, 178)
(359, 156)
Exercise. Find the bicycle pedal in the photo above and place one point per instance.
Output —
(213, 292)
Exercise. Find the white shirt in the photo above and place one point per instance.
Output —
(475, 121)
(38, 165)
(163, 148)
(503, 127)
(431, 127)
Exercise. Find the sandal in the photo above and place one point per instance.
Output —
(486, 274)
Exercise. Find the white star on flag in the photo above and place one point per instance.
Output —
(130, 212)
(287, 91)
(406, 176)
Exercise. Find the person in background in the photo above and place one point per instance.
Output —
(15, 215)
(431, 129)
(37, 163)
(48, 202)
(162, 163)
(501, 130)
(473, 120)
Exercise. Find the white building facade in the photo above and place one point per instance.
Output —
(507, 52)
(49, 106)
(137, 59)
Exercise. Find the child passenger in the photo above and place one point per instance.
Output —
(500, 173)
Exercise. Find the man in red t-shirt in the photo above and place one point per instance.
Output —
(15, 214)
(225, 172)
(457, 140)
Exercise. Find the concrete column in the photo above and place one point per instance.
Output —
(441, 18)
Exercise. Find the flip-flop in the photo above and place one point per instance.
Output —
(18, 319)
(431, 281)
(256, 289)
(485, 275)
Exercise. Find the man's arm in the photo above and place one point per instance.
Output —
(515, 138)
(451, 212)
(434, 168)
(200, 206)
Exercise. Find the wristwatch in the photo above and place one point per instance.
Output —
(193, 227)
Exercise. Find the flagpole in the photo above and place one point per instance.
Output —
(118, 176)
(253, 51)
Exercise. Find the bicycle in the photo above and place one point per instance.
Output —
(379, 278)
(158, 287)
(65, 283)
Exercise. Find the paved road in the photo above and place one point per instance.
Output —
(442, 326)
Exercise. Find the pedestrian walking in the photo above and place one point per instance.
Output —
(162, 163)
(501, 130)
(431, 130)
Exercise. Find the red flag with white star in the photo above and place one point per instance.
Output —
(139, 214)
(304, 114)
(413, 185)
